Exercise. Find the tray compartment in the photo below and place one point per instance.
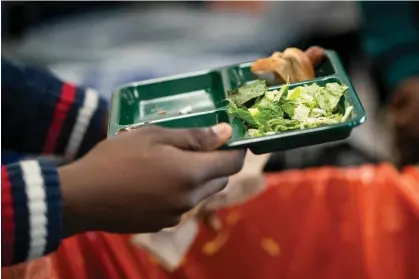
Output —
(205, 119)
(169, 97)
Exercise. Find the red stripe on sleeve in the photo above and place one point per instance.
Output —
(67, 97)
(7, 218)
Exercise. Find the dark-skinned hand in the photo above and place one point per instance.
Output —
(146, 179)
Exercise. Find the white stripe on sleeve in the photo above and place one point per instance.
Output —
(35, 191)
(84, 116)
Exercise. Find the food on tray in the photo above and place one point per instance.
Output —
(292, 62)
(269, 112)
(161, 112)
(185, 110)
(316, 55)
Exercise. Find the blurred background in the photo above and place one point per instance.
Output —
(330, 222)
(103, 45)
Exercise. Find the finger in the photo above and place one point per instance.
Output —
(210, 188)
(199, 139)
(218, 164)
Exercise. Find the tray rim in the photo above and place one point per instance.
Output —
(359, 119)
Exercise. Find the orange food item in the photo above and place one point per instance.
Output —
(292, 63)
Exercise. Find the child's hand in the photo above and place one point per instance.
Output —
(144, 180)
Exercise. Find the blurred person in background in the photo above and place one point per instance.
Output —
(116, 185)
(391, 41)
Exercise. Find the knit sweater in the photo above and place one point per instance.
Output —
(40, 115)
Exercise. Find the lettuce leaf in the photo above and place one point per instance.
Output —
(247, 92)
(328, 97)
(275, 111)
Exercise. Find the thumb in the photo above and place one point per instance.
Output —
(198, 139)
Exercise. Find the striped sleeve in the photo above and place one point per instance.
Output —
(31, 210)
(49, 116)
(391, 39)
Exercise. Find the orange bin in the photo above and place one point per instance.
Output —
(323, 223)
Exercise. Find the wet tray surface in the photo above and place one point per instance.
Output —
(199, 100)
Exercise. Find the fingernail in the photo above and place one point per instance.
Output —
(221, 129)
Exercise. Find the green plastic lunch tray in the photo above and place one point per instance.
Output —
(199, 100)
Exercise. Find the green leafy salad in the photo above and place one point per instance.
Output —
(269, 112)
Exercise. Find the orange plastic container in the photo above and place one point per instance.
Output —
(323, 223)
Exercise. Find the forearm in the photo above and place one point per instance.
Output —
(44, 115)
(31, 210)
